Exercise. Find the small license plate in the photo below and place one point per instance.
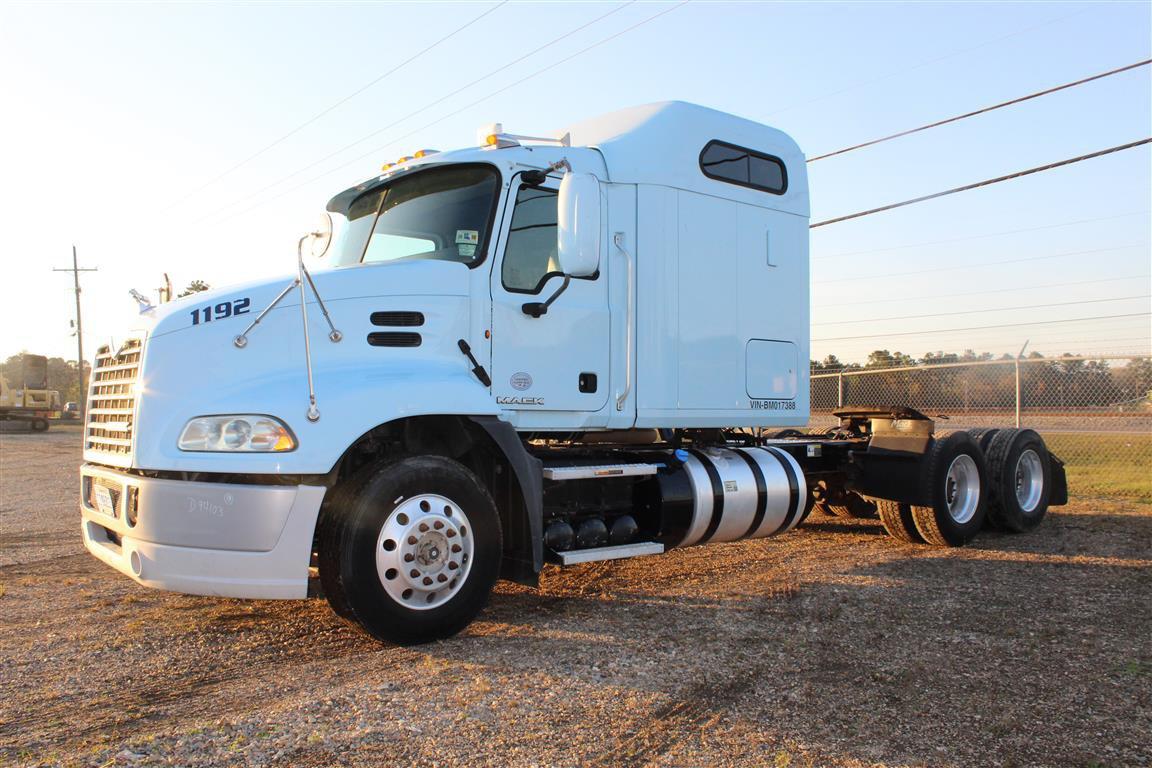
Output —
(104, 500)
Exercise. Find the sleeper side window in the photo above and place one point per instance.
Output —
(530, 255)
(744, 167)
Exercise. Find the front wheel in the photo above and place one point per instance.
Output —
(414, 552)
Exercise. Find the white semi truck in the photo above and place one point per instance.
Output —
(541, 350)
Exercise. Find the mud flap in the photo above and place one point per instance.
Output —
(1058, 495)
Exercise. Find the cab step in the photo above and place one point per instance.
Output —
(619, 552)
(600, 470)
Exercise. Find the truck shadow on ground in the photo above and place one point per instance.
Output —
(1044, 650)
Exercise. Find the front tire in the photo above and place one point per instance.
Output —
(414, 551)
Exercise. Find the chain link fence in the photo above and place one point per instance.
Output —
(1095, 413)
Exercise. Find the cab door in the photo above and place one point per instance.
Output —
(551, 371)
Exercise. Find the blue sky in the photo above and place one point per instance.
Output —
(114, 113)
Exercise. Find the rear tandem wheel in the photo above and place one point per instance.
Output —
(1020, 480)
(956, 480)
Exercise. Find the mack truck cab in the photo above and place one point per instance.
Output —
(583, 346)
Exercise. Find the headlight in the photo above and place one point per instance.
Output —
(244, 432)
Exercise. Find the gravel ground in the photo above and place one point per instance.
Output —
(832, 645)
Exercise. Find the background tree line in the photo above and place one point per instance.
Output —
(1060, 382)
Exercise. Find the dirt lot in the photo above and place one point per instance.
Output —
(832, 645)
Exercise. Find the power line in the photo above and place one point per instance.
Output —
(984, 183)
(1015, 288)
(982, 111)
(984, 327)
(927, 63)
(334, 106)
(467, 106)
(979, 264)
(981, 311)
(977, 237)
(406, 117)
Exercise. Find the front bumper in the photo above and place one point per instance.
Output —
(223, 539)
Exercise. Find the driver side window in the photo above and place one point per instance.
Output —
(530, 255)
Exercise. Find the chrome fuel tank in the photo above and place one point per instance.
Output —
(721, 494)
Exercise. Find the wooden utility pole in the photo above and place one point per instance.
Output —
(82, 402)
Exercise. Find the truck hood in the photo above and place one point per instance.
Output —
(397, 356)
(336, 286)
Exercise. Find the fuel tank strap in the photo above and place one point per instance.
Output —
(793, 487)
(761, 493)
(717, 496)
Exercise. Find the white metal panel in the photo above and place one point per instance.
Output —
(710, 366)
(661, 143)
(657, 298)
(772, 369)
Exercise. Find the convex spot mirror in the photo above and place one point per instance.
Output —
(578, 225)
(320, 238)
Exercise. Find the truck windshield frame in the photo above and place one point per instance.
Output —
(442, 213)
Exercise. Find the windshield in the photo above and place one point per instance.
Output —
(440, 213)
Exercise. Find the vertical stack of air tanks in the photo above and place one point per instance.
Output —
(696, 496)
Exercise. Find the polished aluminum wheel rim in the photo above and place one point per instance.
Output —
(962, 492)
(1029, 480)
(424, 551)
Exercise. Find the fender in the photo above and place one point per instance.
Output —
(530, 478)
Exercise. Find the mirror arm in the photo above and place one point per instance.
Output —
(538, 308)
(539, 176)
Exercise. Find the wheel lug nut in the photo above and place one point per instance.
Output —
(455, 548)
(452, 566)
(409, 557)
(441, 578)
(412, 539)
(423, 527)
(427, 580)
(438, 524)
(450, 533)
(413, 573)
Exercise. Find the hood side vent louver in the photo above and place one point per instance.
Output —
(394, 339)
(397, 319)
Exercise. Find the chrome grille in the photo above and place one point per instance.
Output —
(112, 399)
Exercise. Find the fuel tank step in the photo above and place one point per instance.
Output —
(601, 470)
(574, 556)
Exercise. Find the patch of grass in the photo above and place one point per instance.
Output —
(1136, 668)
(1102, 464)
